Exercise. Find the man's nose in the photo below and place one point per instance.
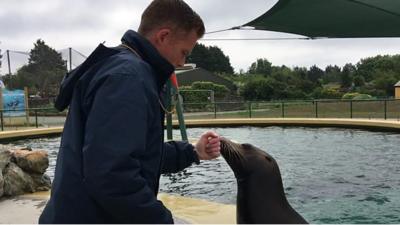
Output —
(181, 63)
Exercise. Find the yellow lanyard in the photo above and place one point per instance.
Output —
(159, 101)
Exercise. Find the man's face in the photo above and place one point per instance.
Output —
(175, 46)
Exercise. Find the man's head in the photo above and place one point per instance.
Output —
(173, 28)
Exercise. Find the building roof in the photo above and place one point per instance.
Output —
(397, 84)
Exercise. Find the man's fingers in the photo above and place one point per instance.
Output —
(215, 155)
(210, 145)
(214, 141)
(213, 147)
(212, 150)
(210, 134)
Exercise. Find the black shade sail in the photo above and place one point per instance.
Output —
(333, 18)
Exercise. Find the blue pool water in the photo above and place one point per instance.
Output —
(330, 175)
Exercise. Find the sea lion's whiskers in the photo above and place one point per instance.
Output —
(238, 154)
(232, 150)
(236, 151)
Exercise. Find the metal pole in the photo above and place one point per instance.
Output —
(212, 97)
(385, 109)
(70, 59)
(351, 109)
(36, 119)
(169, 108)
(173, 83)
(316, 109)
(26, 92)
(283, 110)
(250, 110)
(8, 62)
(2, 120)
(215, 110)
(182, 126)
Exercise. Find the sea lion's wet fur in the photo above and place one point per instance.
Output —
(261, 197)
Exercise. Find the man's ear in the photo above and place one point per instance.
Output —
(163, 35)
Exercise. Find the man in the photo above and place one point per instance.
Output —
(112, 149)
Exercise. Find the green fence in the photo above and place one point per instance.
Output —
(33, 118)
(357, 109)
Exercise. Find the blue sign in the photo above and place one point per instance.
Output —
(13, 103)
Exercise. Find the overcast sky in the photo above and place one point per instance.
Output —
(83, 24)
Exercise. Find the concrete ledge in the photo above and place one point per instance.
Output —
(379, 125)
(26, 209)
(6, 136)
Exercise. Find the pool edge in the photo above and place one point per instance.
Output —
(376, 125)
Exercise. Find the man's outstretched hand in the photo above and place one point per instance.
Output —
(208, 146)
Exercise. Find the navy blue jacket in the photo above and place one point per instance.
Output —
(112, 148)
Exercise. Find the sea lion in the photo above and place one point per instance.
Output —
(260, 197)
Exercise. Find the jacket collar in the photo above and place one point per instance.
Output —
(150, 54)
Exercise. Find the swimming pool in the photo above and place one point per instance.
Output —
(330, 175)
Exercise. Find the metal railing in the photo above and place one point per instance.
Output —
(31, 118)
(360, 109)
(357, 109)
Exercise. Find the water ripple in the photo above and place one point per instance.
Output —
(330, 175)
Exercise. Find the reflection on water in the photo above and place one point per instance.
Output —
(330, 175)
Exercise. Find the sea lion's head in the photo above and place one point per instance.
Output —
(245, 159)
(261, 197)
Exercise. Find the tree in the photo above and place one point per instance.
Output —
(332, 69)
(258, 89)
(220, 91)
(43, 73)
(261, 66)
(371, 67)
(373, 76)
(301, 83)
(332, 74)
(326, 93)
(346, 80)
(210, 58)
(385, 82)
(248, 91)
(315, 74)
(359, 81)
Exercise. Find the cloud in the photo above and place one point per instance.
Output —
(83, 24)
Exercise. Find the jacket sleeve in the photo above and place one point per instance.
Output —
(114, 138)
(178, 156)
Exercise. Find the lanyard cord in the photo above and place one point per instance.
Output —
(159, 100)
